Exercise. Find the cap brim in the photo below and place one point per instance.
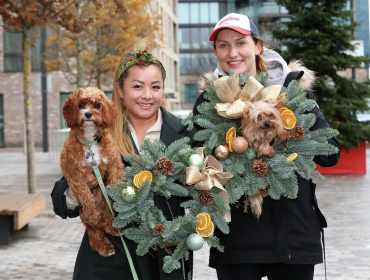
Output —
(235, 28)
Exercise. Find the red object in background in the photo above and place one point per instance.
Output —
(351, 162)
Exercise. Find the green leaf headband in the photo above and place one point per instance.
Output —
(141, 58)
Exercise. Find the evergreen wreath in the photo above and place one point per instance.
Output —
(292, 158)
(160, 170)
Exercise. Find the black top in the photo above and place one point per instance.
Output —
(91, 266)
(289, 230)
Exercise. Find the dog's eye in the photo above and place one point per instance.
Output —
(81, 105)
(259, 117)
(97, 105)
(270, 115)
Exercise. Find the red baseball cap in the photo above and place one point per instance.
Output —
(237, 22)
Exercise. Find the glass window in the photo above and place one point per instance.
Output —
(204, 11)
(185, 67)
(13, 54)
(194, 12)
(184, 38)
(214, 12)
(196, 63)
(195, 38)
(183, 13)
(204, 33)
(13, 51)
(190, 93)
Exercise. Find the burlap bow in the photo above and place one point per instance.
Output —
(235, 97)
(210, 176)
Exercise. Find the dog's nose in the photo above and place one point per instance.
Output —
(88, 115)
(267, 124)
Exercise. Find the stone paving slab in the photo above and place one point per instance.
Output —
(47, 250)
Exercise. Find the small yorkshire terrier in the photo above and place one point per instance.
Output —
(262, 126)
(89, 113)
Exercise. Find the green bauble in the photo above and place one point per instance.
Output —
(129, 194)
(197, 160)
(194, 242)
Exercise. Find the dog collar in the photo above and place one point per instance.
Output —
(90, 143)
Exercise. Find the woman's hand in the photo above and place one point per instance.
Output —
(93, 184)
(91, 180)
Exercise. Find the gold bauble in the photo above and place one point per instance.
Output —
(221, 152)
(240, 144)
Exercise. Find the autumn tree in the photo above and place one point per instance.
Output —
(20, 16)
(321, 34)
(91, 44)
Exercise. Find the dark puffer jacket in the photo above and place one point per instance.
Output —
(289, 230)
(91, 266)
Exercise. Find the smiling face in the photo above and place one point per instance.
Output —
(142, 93)
(237, 52)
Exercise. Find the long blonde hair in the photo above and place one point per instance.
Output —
(120, 128)
(260, 63)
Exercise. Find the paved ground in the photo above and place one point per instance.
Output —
(47, 250)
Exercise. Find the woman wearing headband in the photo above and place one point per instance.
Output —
(284, 243)
(138, 93)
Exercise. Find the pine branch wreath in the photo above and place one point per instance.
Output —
(282, 173)
(160, 170)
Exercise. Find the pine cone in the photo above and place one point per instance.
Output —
(165, 166)
(205, 198)
(260, 168)
(298, 133)
(158, 229)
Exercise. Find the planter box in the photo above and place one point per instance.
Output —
(351, 162)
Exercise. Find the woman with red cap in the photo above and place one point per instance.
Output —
(285, 242)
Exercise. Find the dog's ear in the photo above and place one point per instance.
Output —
(70, 110)
(281, 100)
(109, 112)
(245, 119)
(247, 109)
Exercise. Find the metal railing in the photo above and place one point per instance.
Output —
(56, 140)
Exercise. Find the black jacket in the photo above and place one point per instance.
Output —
(288, 231)
(91, 266)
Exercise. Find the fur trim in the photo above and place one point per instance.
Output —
(205, 81)
(308, 79)
(306, 82)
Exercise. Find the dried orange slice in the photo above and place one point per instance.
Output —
(208, 231)
(292, 157)
(204, 221)
(282, 109)
(286, 111)
(230, 136)
(288, 118)
(141, 177)
(289, 121)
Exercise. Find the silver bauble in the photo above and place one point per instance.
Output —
(129, 194)
(197, 160)
(194, 242)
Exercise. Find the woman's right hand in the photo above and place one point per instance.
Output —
(91, 180)
(93, 184)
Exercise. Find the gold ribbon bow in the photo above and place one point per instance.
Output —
(235, 97)
(210, 176)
